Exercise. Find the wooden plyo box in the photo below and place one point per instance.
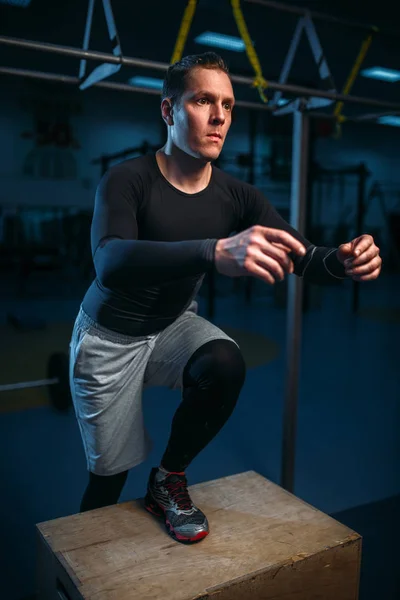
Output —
(264, 544)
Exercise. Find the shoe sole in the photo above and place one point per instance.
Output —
(152, 507)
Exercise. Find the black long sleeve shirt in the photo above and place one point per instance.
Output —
(152, 244)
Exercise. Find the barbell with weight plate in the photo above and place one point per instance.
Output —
(57, 382)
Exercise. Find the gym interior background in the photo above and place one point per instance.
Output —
(57, 140)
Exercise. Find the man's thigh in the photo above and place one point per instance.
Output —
(106, 379)
(172, 348)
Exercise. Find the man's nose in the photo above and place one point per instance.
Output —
(218, 115)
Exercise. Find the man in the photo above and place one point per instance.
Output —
(160, 223)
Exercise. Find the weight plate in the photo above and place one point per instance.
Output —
(59, 393)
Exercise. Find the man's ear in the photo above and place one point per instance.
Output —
(167, 111)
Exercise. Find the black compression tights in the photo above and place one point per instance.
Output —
(212, 381)
(102, 491)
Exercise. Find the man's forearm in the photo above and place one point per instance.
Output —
(125, 263)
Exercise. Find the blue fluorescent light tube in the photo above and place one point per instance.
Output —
(149, 82)
(389, 120)
(382, 74)
(219, 40)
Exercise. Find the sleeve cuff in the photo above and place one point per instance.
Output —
(209, 251)
(333, 266)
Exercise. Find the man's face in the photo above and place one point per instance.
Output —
(203, 115)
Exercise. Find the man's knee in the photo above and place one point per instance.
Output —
(218, 362)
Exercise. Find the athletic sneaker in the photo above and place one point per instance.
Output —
(168, 497)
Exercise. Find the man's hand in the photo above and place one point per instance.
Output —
(260, 252)
(360, 258)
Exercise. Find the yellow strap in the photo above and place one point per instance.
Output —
(353, 73)
(259, 82)
(184, 30)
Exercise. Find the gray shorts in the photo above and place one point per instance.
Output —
(109, 371)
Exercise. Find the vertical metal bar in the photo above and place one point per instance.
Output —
(253, 121)
(362, 178)
(295, 296)
(309, 203)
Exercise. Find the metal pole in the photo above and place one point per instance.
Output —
(297, 90)
(10, 387)
(362, 178)
(305, 92)
(297, 10)
(85, 54)
(253, 122)
(295, 296)
(111, 85)
(125, 87)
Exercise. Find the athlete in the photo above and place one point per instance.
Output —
(160, 223)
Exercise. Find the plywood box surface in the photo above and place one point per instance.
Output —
(264, 544)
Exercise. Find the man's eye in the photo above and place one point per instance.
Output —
(202, 100)
(228, 106)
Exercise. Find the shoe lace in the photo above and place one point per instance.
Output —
(177, 489)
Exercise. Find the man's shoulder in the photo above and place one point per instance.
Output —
(134, 167)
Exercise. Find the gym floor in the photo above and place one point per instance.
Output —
(348, 442)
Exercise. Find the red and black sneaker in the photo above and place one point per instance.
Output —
(168, 497)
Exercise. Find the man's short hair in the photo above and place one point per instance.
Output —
(177, 74)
